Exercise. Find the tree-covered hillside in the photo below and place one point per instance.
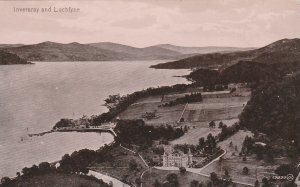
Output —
(203, 76)
(274, 109)
(8, 58)
(247, 71)
(243, 71)
(281, 51)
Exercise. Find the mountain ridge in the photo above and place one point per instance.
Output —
(137, 53)
(203, 50)
(101, 51)
(285, 50)
(52, 51)
(10, 45)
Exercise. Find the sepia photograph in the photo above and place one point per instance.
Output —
(150, 93)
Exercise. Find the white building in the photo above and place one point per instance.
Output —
(173, 158)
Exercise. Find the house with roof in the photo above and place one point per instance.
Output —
(176, 158)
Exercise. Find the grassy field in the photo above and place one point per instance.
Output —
(237, 140)
(212, 114)
(196, 115)
(215, 109)
(163, 114)
(170, 97)
(57, 180)
(257, 169)
(214, 106)
(209, 109)
(118, 166)
(200, 129)
(184, 179)
(218, 108)
(240, 99)
(235, 164)
(151, 99)
(193, 134)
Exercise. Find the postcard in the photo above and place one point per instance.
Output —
(150, 93)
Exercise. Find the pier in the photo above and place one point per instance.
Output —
(90, 129)
(104, 128)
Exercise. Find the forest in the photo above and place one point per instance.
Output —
(137, 133)
(274, 109)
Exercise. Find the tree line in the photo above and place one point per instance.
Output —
(121, 103)
(194, 97)
(138, 133)
(76, 163)
(117, 104)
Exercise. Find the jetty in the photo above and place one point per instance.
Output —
(41, 133)
(88, 129)
(102, 128)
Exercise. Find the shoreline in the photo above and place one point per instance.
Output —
(44, 142)
(75, 130)
(68, 143)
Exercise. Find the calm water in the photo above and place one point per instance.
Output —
(34, 97)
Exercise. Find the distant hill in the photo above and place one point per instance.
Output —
(282, 51)
(201, 50)
(147, 53)
(286, 51)
(10, 45)
(211, 60)
(50, 51)
(9, 59)
(103, 51)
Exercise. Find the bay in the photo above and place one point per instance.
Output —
(34, 97)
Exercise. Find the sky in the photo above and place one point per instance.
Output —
(140, 23)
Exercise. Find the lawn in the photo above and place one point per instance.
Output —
(118, 166)
(215, 108)
(174, 96)
(235, 164)
(212, 114)
(57, 180)
(150, 99)
(197, 130)
(136, 110)
(240, 99)
(163, 114)
(237, 140)
(184, 179)
(193, 134)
